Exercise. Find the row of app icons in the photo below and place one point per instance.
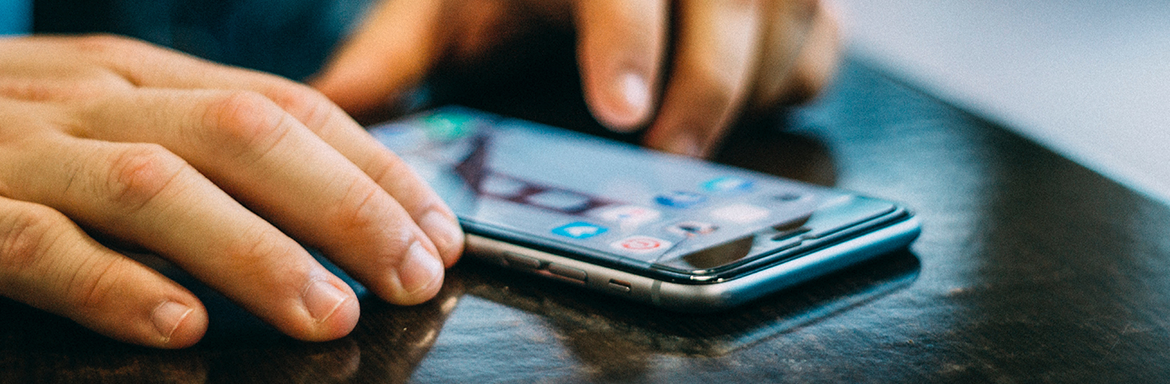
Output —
(632, 215)
(687, 199)
(583, 230)
(632, 244)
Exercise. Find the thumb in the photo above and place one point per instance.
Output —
(391, 52)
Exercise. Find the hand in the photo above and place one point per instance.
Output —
(212, 168)
(729, 57)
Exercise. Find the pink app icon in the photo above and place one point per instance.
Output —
(641, 244)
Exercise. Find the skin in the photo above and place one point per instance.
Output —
(729, 58)
(216, 169)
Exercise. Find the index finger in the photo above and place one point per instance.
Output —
(620, 49)
(329, 122)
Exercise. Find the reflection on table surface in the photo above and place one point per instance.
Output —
(1029, 268)
(482, 305)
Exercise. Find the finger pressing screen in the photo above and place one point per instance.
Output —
(621, 46)
(714, 59)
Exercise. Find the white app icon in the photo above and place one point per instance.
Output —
(740, 213)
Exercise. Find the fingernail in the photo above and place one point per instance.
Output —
(443, 231)
(686, 144)
(635, 91)
(167, 317)
(322, 299)
(419, 270)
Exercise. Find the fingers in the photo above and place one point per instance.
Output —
(155, 160)
(277, 167)
(814, 60)
(329, 124)
(393, 50)
(799, 53)
(145, 193)
(393, 175)
(785, 31)
(48, 262)
(620, 48)
(714, 57)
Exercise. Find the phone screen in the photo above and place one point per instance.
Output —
(613, 202)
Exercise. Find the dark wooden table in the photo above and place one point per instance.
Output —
(1030, 268)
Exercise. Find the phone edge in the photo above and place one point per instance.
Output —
(698, 298)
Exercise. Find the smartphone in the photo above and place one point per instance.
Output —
(670, 231)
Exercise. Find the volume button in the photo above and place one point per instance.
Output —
(571, 273)
(520, 261)
(620, 286)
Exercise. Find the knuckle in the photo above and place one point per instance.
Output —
(364, 212)
(25, 235)
(708, 83)
(815, 64)
(261, 255)
(137, 175)
(808, 7)
(361, 207)
(245, 121)
(714, 92)
(105, 44)
(308, 105)
(387, 169)
(743, 4)
(93, 285)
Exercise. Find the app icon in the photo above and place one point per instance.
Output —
(641, 244)
(692, 228)
(627, 215)
(728, 184)
(679, 199)
(579, 230)
(740, 213)
(448, 125)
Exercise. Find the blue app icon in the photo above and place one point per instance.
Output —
(728, 184)
(680, 199)
(579, 230)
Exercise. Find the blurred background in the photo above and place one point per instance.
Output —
(1089, 79)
